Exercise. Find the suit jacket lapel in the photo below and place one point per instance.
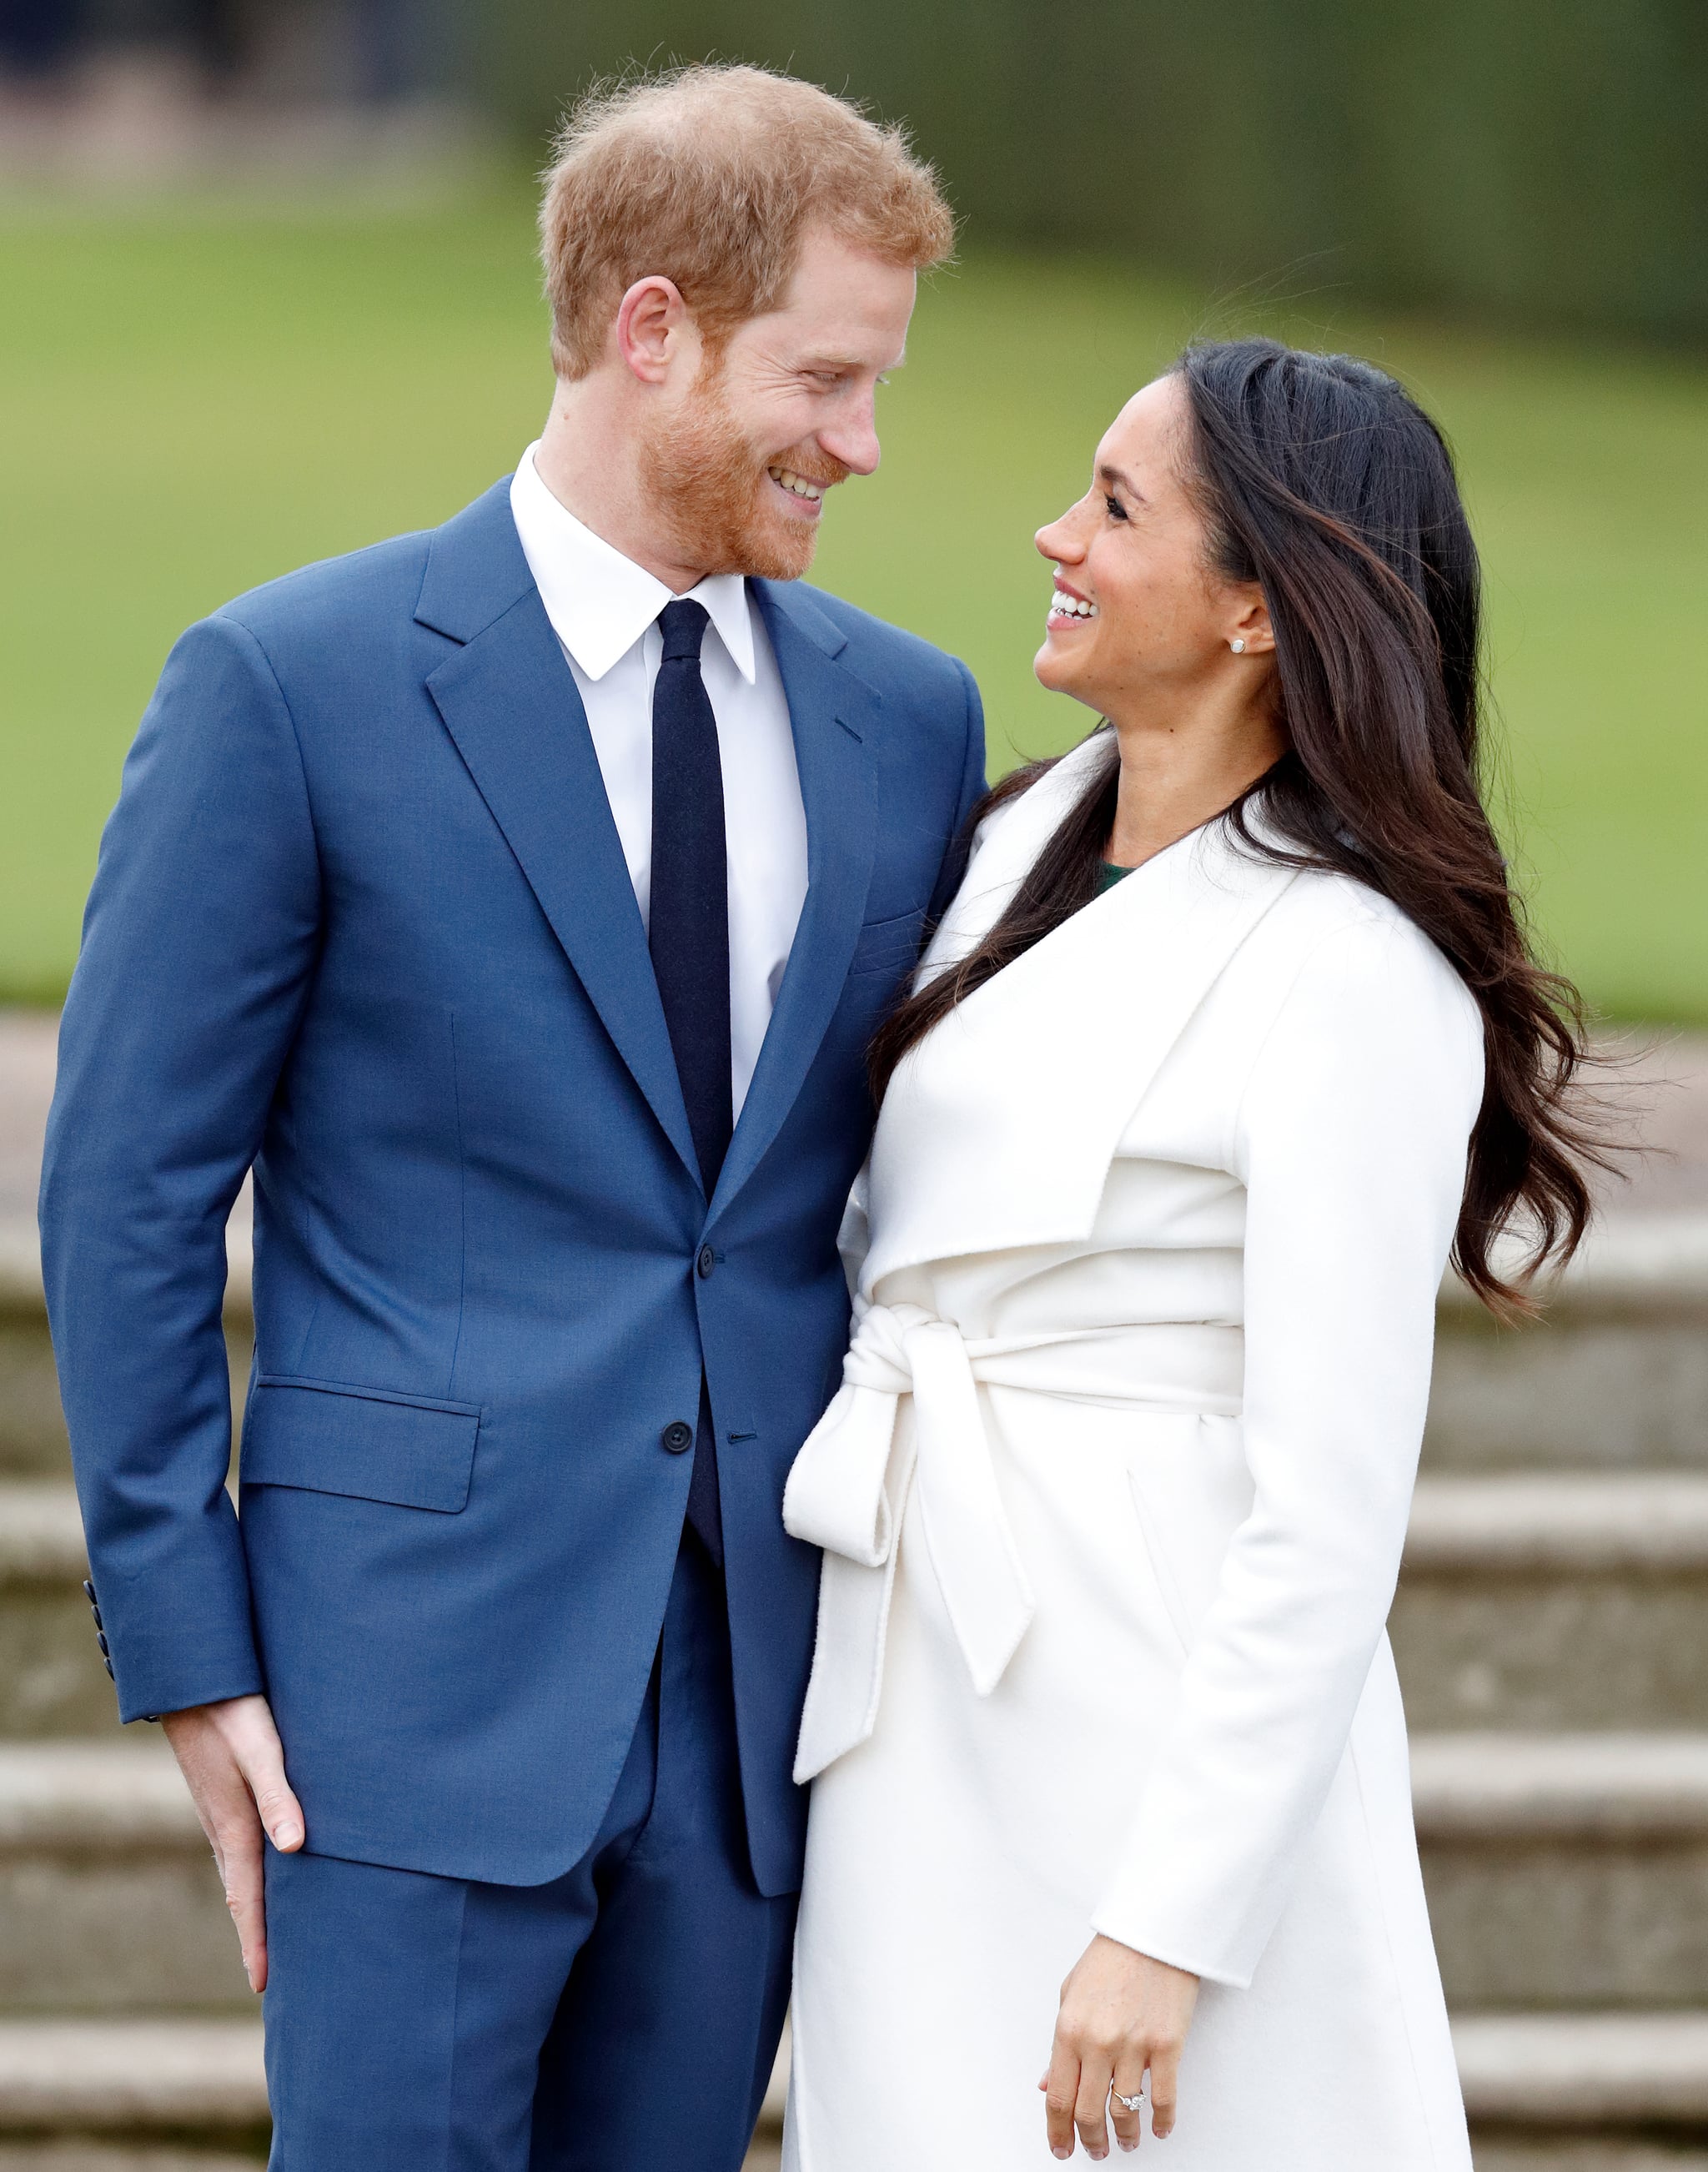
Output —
(510, 702)
(831, 711)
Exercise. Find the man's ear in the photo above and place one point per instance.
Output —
(652, 327)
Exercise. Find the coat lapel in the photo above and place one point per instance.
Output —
(998, 1129)
(509, 700)
(831, 712)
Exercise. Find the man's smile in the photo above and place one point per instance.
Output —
(807, 496)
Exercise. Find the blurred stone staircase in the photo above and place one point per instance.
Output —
(1551, 1629)
(1552, 1633)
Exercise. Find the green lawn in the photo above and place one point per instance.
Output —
(194, 400)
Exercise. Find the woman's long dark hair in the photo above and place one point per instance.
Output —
(1321, 479)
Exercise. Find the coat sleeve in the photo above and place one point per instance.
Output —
(1351, 1141)
(199, 939)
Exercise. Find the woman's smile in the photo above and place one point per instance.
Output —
(1067, 607)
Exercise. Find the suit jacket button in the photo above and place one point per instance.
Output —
(89, 1591)
(706, 1261)
(108, 1664)
(679, 1438)
(102, 1642)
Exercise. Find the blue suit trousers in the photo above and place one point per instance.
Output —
(618, 2019)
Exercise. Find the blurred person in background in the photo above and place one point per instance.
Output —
(519, 899)
(380, 51)
(39, 38)
(1231, 1038)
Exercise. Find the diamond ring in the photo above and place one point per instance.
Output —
(1132, 2104)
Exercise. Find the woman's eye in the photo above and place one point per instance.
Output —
(1115, 510)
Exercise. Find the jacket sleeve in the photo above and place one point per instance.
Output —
(199, 940)
(1352, 1141)
(973, 788)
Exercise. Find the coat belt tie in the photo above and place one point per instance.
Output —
(848, 1491)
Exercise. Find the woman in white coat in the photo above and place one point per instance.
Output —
(1229, 1041)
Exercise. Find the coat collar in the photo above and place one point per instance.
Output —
(510, 704)
(998, 1129)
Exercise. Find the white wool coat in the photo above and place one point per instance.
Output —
(1113, 1498)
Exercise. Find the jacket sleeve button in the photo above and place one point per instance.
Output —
(108, 1664)
(679, 1438)
(89, 1591)
(102, 1642)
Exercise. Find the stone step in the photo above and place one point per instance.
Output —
(132, 2077)
(1542, 2089)
(1563, 1872)
(179, 2075)
(1583, 2070)
(1555, 1599)
(32, 1429)
(52, 1678)
(110, 1902)
(84, 2154)
(1616, 1374)
(1504, 2151)
(1566, 1871)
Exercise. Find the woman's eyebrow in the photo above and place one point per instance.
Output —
(1106, 473)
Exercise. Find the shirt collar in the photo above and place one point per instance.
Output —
(600, 603)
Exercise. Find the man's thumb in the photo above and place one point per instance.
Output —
(280, 1813)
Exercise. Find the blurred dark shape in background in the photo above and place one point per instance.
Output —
(39, 38)
(99, 96)
(370, 51)
(1534, 162)
(1541, 161)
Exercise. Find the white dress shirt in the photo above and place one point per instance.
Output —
(604, 609)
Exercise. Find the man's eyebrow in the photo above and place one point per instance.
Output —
(1107, 473)
(851, 362)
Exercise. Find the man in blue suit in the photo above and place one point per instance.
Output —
(517, 899)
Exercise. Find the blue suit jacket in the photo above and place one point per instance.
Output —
(361, 920)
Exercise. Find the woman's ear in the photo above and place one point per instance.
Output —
(1250, 633)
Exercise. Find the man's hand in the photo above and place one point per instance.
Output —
(231, 1757)
(1121, 2013)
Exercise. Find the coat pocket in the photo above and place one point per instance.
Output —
(370, 1444)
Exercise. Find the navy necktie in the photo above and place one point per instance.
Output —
(688, 936)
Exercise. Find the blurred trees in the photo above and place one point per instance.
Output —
(1543, 160)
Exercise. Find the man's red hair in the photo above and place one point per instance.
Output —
(709, 176)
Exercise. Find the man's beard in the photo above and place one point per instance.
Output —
(712, 490)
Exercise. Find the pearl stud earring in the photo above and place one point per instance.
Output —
(1237, 644)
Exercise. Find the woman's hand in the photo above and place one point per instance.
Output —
(1121, 2013)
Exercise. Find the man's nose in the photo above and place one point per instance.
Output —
(854, 442)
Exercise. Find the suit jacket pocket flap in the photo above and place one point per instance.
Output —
(367, 1443)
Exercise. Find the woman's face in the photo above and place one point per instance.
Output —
(1138, 617)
